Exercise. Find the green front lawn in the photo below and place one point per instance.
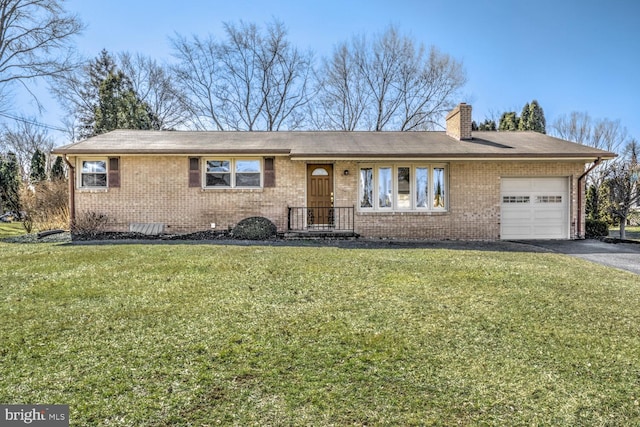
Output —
(632, 232)
(163, 335)
(11, 229)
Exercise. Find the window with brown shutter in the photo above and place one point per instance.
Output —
(194, 172)
(114, 172)
(269, 172)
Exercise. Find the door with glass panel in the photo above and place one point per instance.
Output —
(320, 196)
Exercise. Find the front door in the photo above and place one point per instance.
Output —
(319, 195)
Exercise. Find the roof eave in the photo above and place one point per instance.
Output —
(448, 157)
(80, 152)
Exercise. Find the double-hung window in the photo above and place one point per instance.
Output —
(93, 174)
(415, 187)
(218, 173)
(98, 173)
(247, 173)
(233, 173)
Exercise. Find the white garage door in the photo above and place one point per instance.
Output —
(534, 208)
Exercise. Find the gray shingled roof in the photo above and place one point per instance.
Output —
(334, 145)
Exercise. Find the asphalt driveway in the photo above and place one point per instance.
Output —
(625, 256)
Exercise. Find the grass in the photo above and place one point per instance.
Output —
(632, 232)
(11, 229)
(163, 335)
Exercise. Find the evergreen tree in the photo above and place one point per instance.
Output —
(119, 107)
(532, 118)
(487, 125)
(536, 120)
(57, 170)
(509, 121)
(38, 171)
(107, 99)
(10, 184)
(591, 205)
(95, 72)
(523, 123)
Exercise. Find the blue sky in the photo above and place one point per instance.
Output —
(570, 55)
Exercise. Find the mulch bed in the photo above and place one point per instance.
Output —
(111, 235)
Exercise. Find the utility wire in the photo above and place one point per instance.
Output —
(32, 122)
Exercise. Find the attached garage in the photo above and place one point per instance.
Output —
(534, 208)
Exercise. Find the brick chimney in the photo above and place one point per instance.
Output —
(459, 122)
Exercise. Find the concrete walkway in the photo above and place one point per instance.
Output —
(625, 256)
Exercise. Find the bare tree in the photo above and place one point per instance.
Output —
(35, 37)
(622, 186)
(604, 134)
(78, 92)
(342, 98)
(286, 72)
(154, 86)
(579, 127)
(387, 84)
(198, 75)
(254, 80)
(429, 92)
(576, 127)
(149, 85)
(243, 77)
(23, 140)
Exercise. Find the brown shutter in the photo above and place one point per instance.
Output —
(269, 172)
(194, 172)
(114, 172)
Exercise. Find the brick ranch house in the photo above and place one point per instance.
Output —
(427, 185)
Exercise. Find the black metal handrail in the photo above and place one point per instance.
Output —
(329, 218)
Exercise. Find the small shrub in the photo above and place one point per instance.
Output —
(254, 228)
(27, 223)
(595, 228)
(88, 224)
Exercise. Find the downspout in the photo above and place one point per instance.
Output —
(579, 225)
(72, 192)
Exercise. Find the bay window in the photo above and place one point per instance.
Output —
(416, 187)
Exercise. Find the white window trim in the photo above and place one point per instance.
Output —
(79, 175)
(412, 187)
(232, 172)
